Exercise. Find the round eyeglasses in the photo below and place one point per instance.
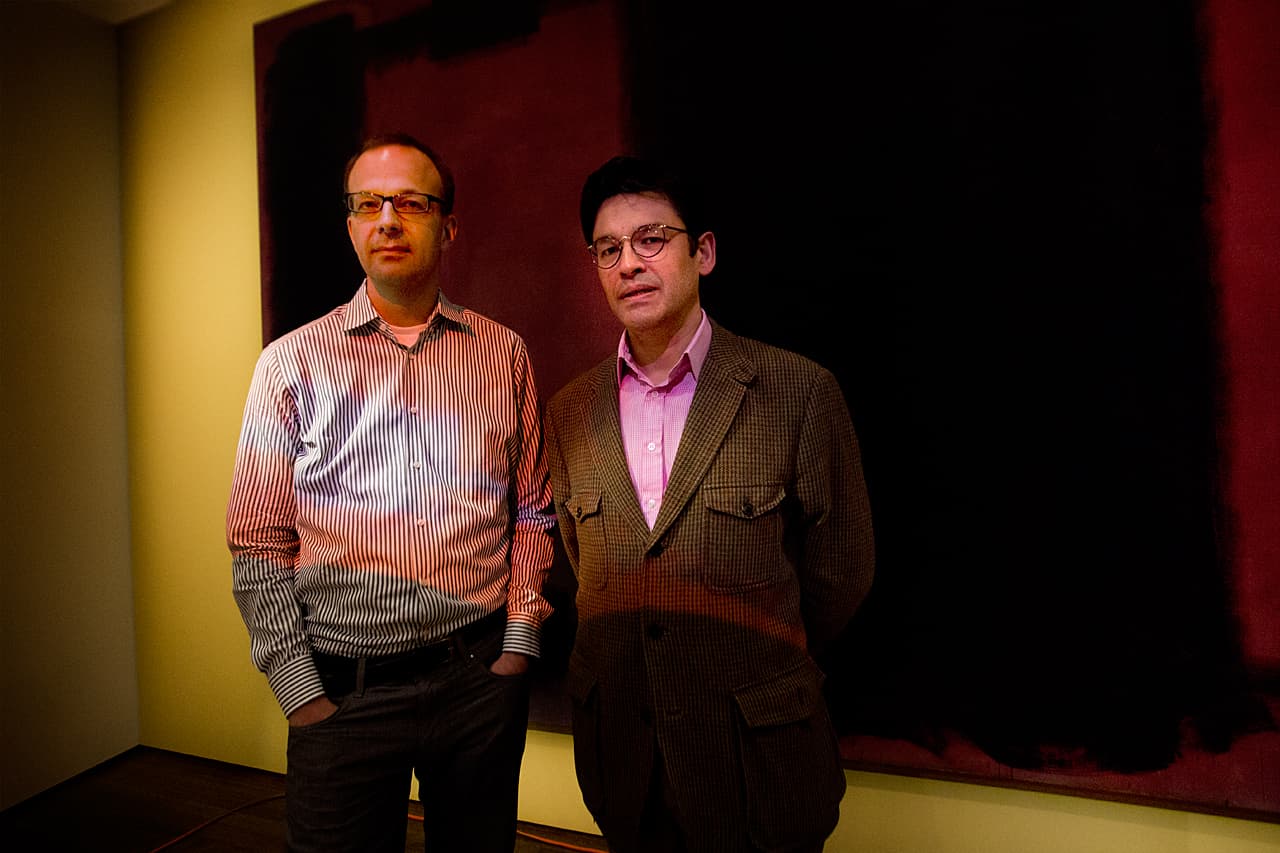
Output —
(647, 241)
(369, 205)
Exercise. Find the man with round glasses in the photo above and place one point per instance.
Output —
(711, 501)
(390, 530)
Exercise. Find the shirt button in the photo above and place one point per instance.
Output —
(421, 522)
(652, 446)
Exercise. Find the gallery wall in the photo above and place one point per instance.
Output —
(68, 682)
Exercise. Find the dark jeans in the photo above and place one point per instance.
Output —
(459, 727)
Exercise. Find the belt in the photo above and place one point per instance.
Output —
(342, 675)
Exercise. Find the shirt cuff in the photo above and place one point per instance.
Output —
(295, 684)
(524, 638)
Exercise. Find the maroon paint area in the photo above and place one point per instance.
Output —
(521, 125)
(1244, 91)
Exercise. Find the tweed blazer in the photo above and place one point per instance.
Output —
(700, 634)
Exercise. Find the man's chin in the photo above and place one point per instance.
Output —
(395, 280)
(641, 318)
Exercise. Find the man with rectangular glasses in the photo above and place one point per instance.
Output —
(390, 530)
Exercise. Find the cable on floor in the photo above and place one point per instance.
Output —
(564, 845)
(211, 821)
(561, 844)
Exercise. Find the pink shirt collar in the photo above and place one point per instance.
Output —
(692, 359)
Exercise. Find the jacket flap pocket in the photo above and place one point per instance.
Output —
(745, 501)
(792, 696)
(583, 504)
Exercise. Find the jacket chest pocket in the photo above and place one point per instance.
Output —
(743, 535)
(588, 529)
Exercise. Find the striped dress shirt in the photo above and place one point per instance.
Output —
(385, 496)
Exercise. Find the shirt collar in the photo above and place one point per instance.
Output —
(361, 313)
(692, 359)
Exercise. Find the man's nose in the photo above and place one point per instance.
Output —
(388, 219)
(628, 259)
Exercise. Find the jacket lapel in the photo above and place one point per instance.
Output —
(605, 430)
(726, 375)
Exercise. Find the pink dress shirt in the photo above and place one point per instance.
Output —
(653, 416)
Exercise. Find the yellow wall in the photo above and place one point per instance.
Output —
(192, 328)
(68, 688)
(192, 332)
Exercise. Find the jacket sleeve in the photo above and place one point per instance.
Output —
(839, 548)
(560, 487)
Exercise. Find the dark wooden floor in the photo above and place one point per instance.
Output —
(147, 800)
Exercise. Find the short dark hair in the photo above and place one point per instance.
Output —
(408, 141)
(628, 174)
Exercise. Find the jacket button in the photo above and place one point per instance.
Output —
(747, 509)
(655, 631)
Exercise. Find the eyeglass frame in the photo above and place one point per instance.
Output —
(591, 247)
(383, 199)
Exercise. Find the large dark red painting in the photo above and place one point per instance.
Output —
(1001, 227)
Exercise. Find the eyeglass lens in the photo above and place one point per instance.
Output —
(370, 204)
(646, 241)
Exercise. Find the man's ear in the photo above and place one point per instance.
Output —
(450, 231)
(706, 253)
